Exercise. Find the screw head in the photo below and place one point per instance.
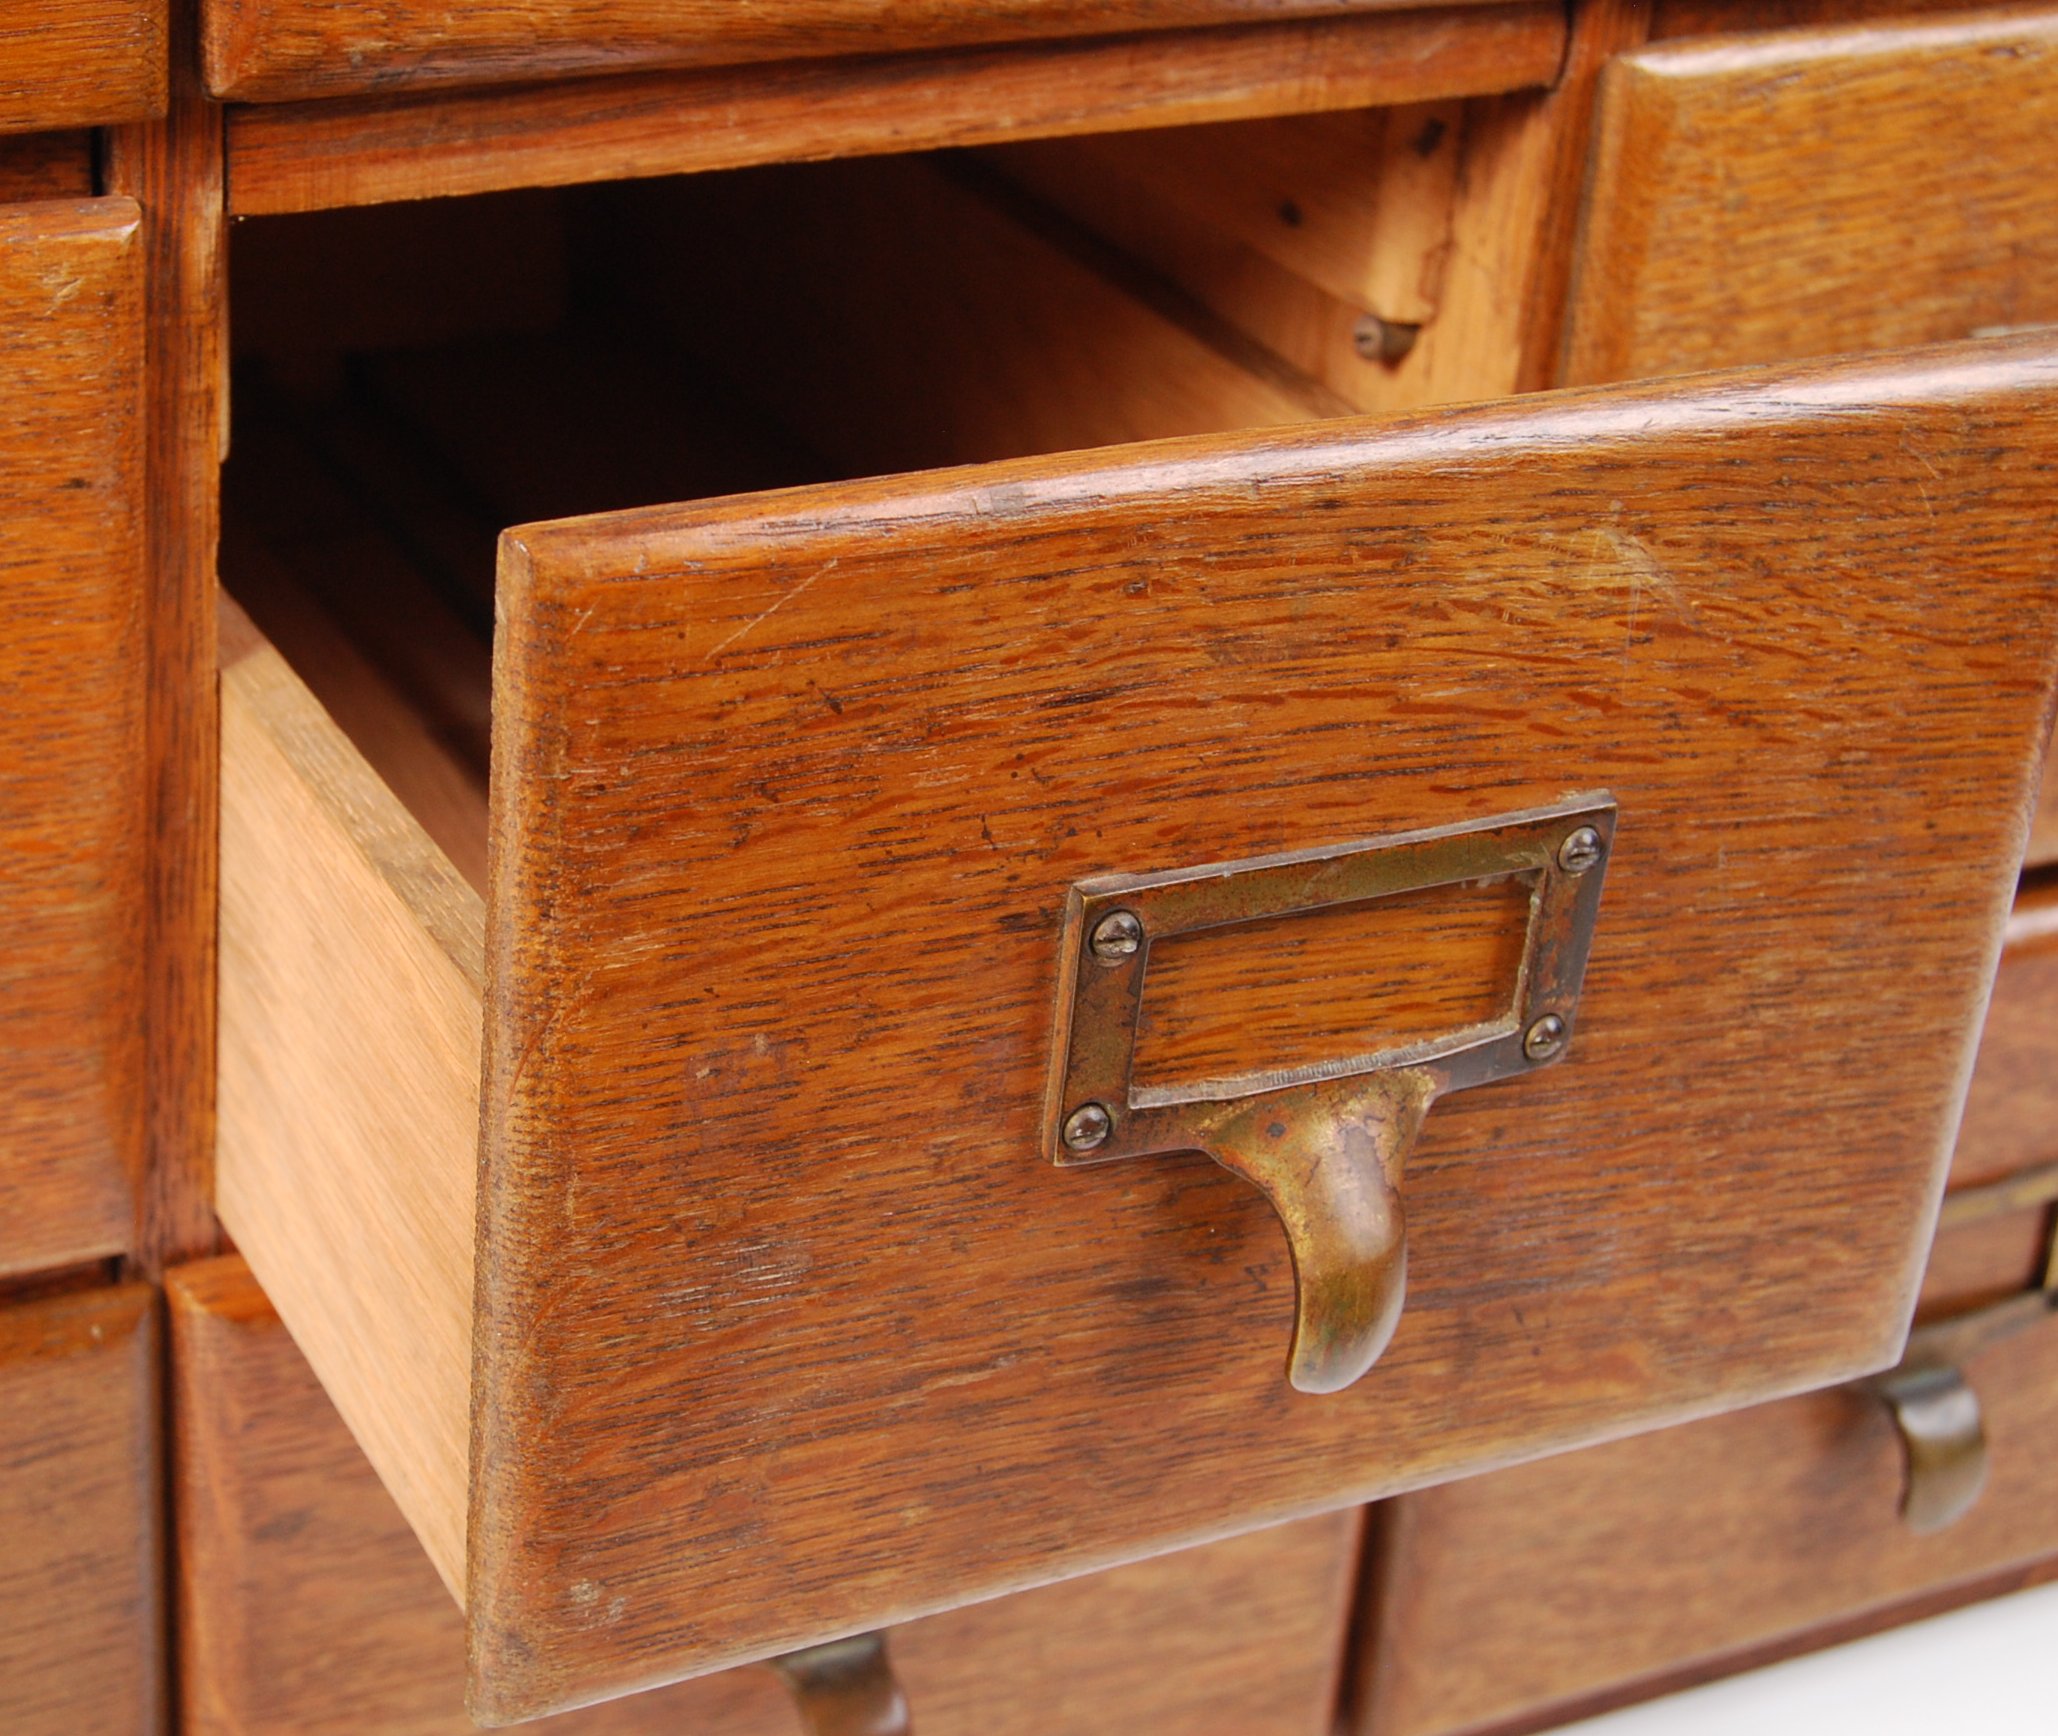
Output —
(1544, 1038)
(1116, 936)
(1086, 1127)
(1580, 851)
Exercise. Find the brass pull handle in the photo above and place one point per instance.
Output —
(1937, 1414)
(846, 1688)
(1327, 1144)
(1943, 1444)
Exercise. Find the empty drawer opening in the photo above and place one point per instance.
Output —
(411, 380)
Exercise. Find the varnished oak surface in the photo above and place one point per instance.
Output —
(263, 50)
(306, 1605)
(351, 151)
(777, 870)
(81, 1615)
(72, 820)
(1862, 187)
(1513, 1601)
(80, 63)
(2011, 1112)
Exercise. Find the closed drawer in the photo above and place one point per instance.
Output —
(262, 50)
(1820, 166)
(786, 1323)
(1524, 1599)
(82, 63)
(307, 1605)
(2011, 1109)
(72, 832)
(81, 1621)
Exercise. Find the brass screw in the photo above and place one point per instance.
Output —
(1544, 1038)
(1116, 937)
(1086, 1127)
(1580, 851)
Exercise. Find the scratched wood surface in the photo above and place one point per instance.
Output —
(81, 63)
(81, 1613)
(1818, 166)
(307, 1606)
(265, 50)
(72, 821)
(775, 886)
(1520, 1600)
(349, 151)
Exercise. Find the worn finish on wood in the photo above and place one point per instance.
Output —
(46, 166)
(73, 843)
(774, 892)
(1533, 1595)
(306, 1605)
(2011, 1113)
(266, 50)
(351, 152)
(81, 63)
(347, 938)
(81, 1616)
(1819, 168)
(173, 169)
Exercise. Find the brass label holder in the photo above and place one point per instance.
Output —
(1326, 1142)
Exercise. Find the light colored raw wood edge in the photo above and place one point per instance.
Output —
(348, 1091)
(317, 155)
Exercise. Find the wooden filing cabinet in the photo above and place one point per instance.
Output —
(654, 978)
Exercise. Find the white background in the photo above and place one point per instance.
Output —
(1993, 1667)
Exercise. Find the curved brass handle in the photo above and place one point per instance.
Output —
(1943, 1444)
(1325, 1143)
(1331, 1168)
(846, 1688)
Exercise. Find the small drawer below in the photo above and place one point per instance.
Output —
(308, 1606)
(81, 1649)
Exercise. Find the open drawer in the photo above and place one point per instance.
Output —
(733, 1300)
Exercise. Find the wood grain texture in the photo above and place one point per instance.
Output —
(346, 935)
(1819, 166)
(2043, 829)
(73, 839)
(302, 157)
(46, 166)
(307, 1608)
(2011, 1112)
(268, 50)
(173, 170)
(81, 1610)
(776, 880)
(909, 319)
(81, 63)
(1520, 1600)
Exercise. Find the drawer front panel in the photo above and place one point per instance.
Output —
(1865, 187)
(263, 50)
(307, 1606)
(81, 1643)
(2011, 1111)
(1525, 1598)
(784, 1308)
(82, 63)
(72, 824)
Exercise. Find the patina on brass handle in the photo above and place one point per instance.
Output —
(1325, 1144)
(846, 1688)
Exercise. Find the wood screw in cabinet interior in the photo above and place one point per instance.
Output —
(1324, 1142)
(846, 1688)
(1384, 340)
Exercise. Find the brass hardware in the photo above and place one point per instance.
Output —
(846, 1688)
(1325, 1143)
(1937, 1414)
